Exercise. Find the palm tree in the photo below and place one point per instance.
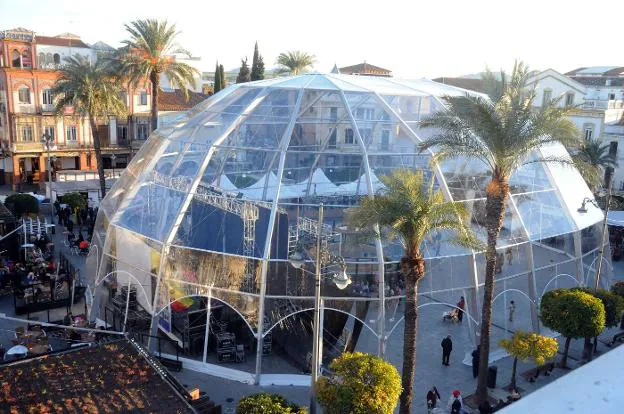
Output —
(92, 91)
(503, 133)
(592, 160)
(149, 53)
(295, 62)
(410, 209)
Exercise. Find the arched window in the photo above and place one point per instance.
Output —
(57, 59)
(16, 59)
(26, 59)
(47, 96)
(41, 62)
(23, 95)
(48, 59)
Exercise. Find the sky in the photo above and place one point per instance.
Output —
(413, 38)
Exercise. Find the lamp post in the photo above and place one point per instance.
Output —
(341, 281)
(48, 141)
(113, 158)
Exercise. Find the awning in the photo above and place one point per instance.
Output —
(616, 218)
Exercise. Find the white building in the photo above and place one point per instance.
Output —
(204, 79)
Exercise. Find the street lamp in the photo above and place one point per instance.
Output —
(48, 141)
(341, 280)
(113, 158)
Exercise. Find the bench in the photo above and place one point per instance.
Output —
(171, 364)
(532, 374)
(618, 337)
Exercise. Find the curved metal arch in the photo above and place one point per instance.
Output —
(99, 282)
(448, 305)
(324, 309)
(215, 298)
(514, 290)
(592, 265)
(553, 279)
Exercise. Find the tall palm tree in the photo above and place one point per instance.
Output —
(593, 159)
(149, 53)
(503, 133)
(295, 62)
(93, 92)
(410, 209)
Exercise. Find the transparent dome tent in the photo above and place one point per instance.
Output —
(214, 226)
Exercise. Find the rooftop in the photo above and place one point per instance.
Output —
(113, 377)
(365, 69)
(61, 41)
(169, 101)
(597, 71)
(472, 84)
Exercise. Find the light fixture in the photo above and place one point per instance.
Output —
(583, 208)
(296, 260)
(342, 279)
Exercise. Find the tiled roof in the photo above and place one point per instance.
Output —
(111, 377)
(472, 84)
(364, 68)
(59, 41)
(598, 80)
(175, 100)
(605, 71)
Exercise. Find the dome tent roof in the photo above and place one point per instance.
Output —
(292, 140)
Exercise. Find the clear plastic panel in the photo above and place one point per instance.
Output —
(512, 231)
(542, 214)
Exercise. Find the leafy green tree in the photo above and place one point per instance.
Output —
(410, 209)
(222, 78)
(572, 313)
(613, 305)
(75, 200)
(92, 91)
(264, 403)
(20, 204)
(295, 62)
(149, 53)
(592, 160)
(243, 74)
(360, 384)
(217, 79)
(504, 132)
(257, 65)
(618, 288)
(528, 345)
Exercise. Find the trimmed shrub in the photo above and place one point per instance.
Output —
(265, 403)
(75, 200)
(21, 204)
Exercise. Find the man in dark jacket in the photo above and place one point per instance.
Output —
(476, 354)
(432, 398)
(447, 347)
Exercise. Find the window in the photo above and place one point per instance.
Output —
(49, 60)
(349, 136)
(613, 147)
(588, 131)
(122, 132)
(49, 131)
(569, 100)
(57, 59)
(547, 97)
(333, 114)
(332, 139)
(71, 133)
(16, 59)
(124, 97)
(142, 131)
(47, 97)
(23, 95)
(143, 97)
(41, 59)
(612, 96)
(385, 140)
(26, 133)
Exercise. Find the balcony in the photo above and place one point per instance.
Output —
(121, 143)
(27, 147)
(603, 104)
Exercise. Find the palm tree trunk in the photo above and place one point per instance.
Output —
(98, 156)
(564, 360)
(414, 270)
(155, 79)
(497, 193)
(513, 375)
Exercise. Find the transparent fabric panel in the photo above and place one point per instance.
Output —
(505, 320)
(384, 165)
(466, 178)
(143, 157)
(223, 223)
(152, 212)
(591, 237)
(553, 269)
(245, 171)
(117, 193)
(511, 232)
(554, 249)
(543, 214)
(408, 108)
(375, 125)
(530, 177)
(512, 261)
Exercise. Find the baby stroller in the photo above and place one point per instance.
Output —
(451, 316)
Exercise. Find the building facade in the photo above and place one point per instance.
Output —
(29, 67)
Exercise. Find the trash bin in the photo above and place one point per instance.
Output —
(491, 378)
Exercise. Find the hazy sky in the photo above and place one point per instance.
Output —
(413, 38)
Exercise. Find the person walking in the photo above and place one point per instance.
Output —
(512, 309)
(461, 305)
(447, 347)
(455, 403)
(509, 255)
(432, 398)
(475, 361)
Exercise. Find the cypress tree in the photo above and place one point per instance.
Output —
(257, 65)
(217, 79)
(222, 77)
(243, 74)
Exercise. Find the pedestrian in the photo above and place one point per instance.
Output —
(500, 260)
(476, 355)
(455, 403)
(461, 305)
(509, 255)
(70, 225)
(447, 347)
(432, 398)
(512, 309)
